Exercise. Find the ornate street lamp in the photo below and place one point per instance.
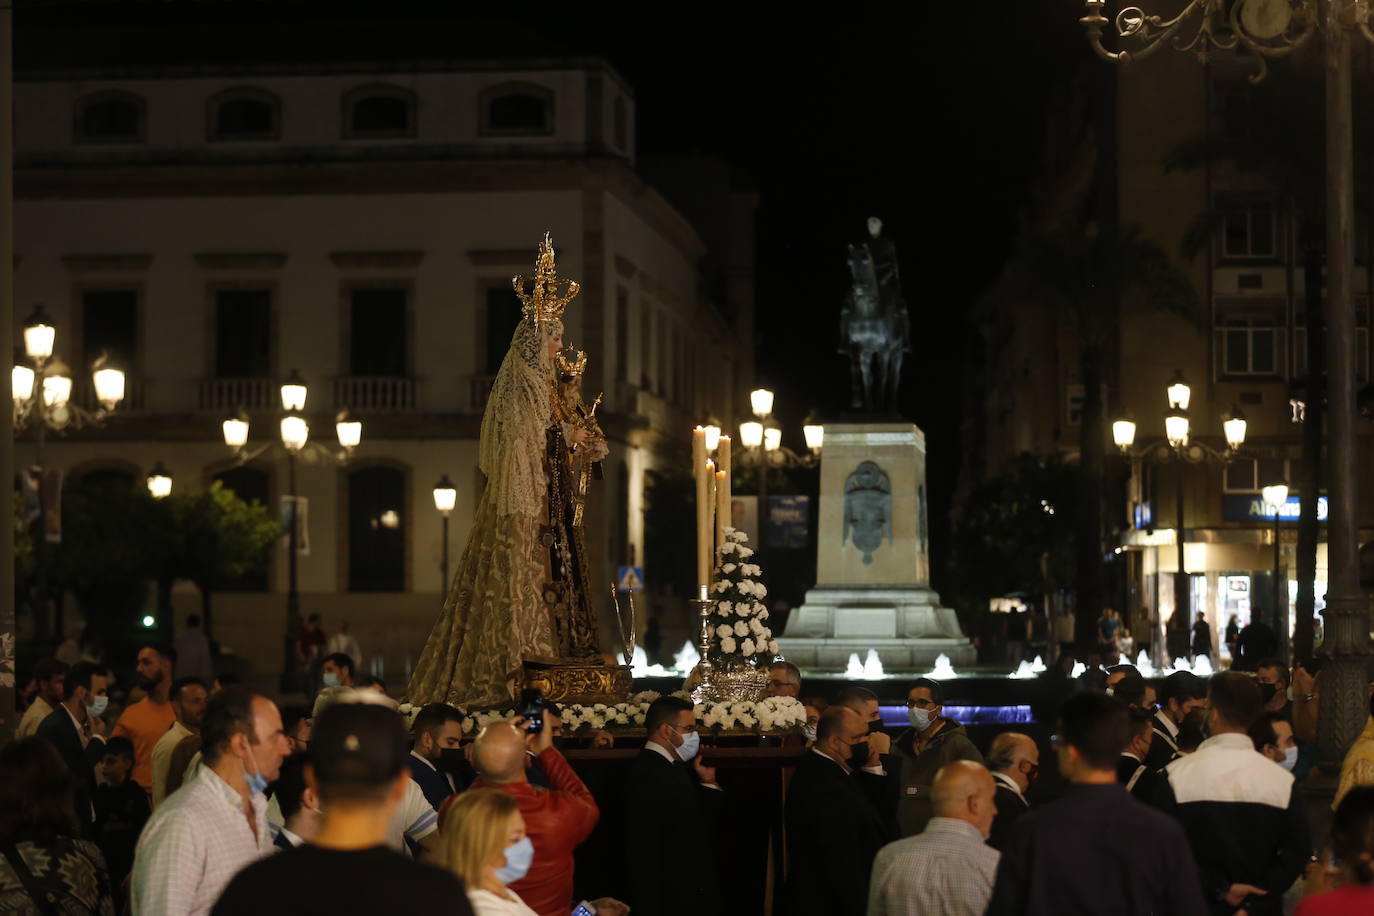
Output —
(445, 499)
(160, 481)
(761, 401)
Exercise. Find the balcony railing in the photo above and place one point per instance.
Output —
(225, 395)
(363, 394)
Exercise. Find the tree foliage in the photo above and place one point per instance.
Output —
(1015, 534)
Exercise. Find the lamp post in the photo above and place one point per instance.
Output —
(160, 481)
(1181, 448)
(445, 498)
(41, 387)
(1276, 497)
(763, 448)
(1275, 29)
(294, 431)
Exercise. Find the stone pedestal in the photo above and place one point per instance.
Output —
(873, 561)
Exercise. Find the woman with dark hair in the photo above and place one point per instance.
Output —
(1352, 846)
(45, 865)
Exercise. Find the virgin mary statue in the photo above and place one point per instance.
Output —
(518, 593)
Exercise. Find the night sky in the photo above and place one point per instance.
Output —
(932, 124)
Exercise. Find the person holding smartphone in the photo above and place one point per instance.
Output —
(485, 844)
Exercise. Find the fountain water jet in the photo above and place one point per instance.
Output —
(854, 669)
(873, 666)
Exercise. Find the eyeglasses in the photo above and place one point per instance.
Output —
(683, 728)
(921, 704)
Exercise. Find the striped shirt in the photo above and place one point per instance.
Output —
(945, 870)
(195, 842)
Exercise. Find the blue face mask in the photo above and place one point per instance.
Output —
(1290, 758)
(257, 783)
(809, 732)
(97, 705)
(691, 743)
(331, 679)
(519, 857)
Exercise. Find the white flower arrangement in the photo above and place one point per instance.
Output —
(737, 634)
(772, 714)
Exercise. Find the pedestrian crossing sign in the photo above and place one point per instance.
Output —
(630, 578)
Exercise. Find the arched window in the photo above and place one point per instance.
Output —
(245, 114)
(516, 110)
(373, 112)
(110, 117)
(377, 518)
(252, 485)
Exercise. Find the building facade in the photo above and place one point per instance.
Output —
(1246, 349)
(216, 228)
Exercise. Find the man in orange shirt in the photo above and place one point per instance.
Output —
(146, 721)
(557, 819)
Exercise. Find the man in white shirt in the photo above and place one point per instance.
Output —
(344, 642)
(202, 836)
(47, 674)
(189, 696)
(948, 868)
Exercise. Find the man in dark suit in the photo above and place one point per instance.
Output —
(671, 804)
(1131, 769)
(77, 731)
(1014, 759)
(1179, 694)
(833, 820)
(436, 758)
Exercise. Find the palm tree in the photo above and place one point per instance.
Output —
(1091, 278)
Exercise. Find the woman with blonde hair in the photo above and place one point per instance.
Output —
(485, 845)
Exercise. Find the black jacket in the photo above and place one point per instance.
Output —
(1010, 807)
(1138, 778)
(834, 830)
(1096, 850)
(1243, 817)
(59, 729)
(1163, 746)
(433, 783)
(668, 844)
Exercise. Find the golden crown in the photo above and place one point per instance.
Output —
(571, 361)
(545, 297)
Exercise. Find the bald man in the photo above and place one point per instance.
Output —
(557, 819)
(833, 820)
(1014, 760)
(948, 868)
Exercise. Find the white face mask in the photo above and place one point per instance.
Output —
(919, 718)
(1290, 758)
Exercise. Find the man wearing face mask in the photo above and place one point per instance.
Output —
(1272, 736)
(216, 824)
(1014, 759)
(436, 760)
(1179, 694)
(1272, 678)
(672, 798)
(357, 768)
(1131, 770)
(948, 868)
(833, 821)
(336, 670)
(1243, 815)
(77, 731)
(932, 741)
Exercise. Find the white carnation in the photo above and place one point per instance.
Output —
(741, 536)
(725, 630)
(727, 645)
(754, 626)
(760, 590)
(638, 718)
(742, 609)
(773, 647)
(741, 628)
(762, 612)
(725, 608)
(722, 586)
(728, 568)
(744, 551)
(748, 647)
(728, 547)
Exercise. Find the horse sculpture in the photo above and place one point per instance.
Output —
(874, 328)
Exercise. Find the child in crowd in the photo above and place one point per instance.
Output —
(121, 809)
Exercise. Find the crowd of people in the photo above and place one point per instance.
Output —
(208, 798)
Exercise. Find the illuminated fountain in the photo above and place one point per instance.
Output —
(1202, 667)
(1078, 669)
(686, 659)
(943, 670)
(873, 667)
(1144, 666)
(1038, 666)
(853, 669)
(1023, 670)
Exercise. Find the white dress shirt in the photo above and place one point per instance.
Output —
(193, 845)
(162, 758)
